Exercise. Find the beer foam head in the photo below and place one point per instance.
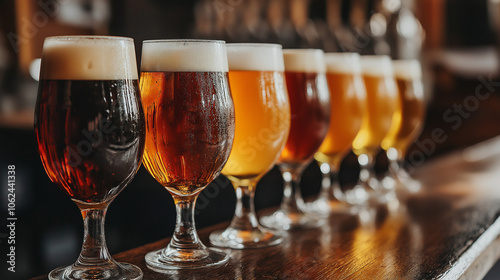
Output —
(88, 58)
(184, 56)
(376, 65)
(304, 60)
(255, 57)
(343, 63)
(407, 69)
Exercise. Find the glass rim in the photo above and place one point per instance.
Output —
(261, 45)
(88, 37)
(183, 41)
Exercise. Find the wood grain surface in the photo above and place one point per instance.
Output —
(449, 230)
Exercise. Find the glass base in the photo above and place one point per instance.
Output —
(281, 220)
(245, 239)
(111, 271)
(323, 207)
(160, 261)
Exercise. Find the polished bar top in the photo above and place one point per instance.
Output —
(449, 230)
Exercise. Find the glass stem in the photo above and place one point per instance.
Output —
(292, 197)
(330, 186)
(94, 250)
(367, 172)
(396, 159)
(185, 236)
(244, 216)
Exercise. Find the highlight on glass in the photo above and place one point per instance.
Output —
(89, 126)
(407, 125)
(347, 103)
(381, 104)
(262, 115)
(310, 111)
(189, 134)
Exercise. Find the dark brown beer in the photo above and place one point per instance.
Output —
(189, 127)
(90, 135)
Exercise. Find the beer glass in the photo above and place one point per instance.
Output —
(310, 112)
(381, 104)
(407, 124)
(347, 100)
(189, 134)
(89, 126)
(262, 114)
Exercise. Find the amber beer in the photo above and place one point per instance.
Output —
(407, 123)
(309, 104)
(89, 121)
(262, 110)
(347, 101)
(382, 103)
(188, 134)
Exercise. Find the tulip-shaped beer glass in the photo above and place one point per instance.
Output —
(189, 134)
(347, 103)
(310, 109)
(89, 125)
(407, 124)
(262, 114)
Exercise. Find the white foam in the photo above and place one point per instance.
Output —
(376, 65)
(343, 63)
(304, 60)
(88, 58)
(184, 56)
(255, 57)
(407, 69)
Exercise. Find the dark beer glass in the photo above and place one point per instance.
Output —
(310, 116)
(189, 134)
(89, 126)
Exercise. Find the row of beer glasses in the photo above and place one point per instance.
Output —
(208, 108)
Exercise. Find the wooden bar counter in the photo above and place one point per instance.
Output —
(449, 230)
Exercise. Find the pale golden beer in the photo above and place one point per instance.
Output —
(262, 114)
(347, 103)
(382, 103)
(407, 122)
(262, 123)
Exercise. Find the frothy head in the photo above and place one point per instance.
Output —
(407, 69)
(343, 63)
(304, 60)
(88, 58)
(376, 65)
(255, 57)
(184, 56)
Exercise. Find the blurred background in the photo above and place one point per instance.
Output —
(457, 42)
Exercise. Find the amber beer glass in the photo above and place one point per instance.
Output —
(310, 112)
(407, 123)
(89, 126)
(347, 101)
(381, 104)
(262, 114)
(189, 134)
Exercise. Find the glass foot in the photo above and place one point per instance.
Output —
(281, 220)
(109, 271)
(323, 207)
(160, 261)
(243, 239)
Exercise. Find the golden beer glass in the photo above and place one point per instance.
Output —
(407, 124)
(262, 117)
(381, 104)
(347, 101)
